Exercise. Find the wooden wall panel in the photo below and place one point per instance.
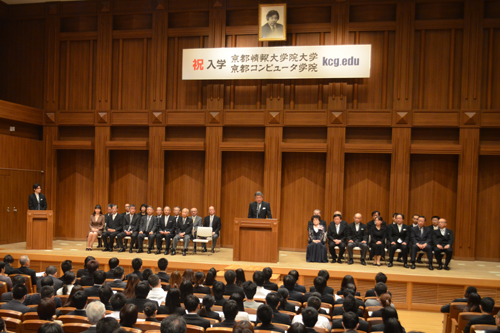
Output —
(184, 180)
(242, 176)
(366, 185)
(491, 69)
(75, 200)
(128, 177)
(31, 158)
(302, 191)
(487, 231)
(433, 187)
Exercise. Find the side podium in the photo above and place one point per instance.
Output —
(255, 240)
(39, 229)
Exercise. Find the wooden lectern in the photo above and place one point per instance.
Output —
(255, 240)
(39, 230)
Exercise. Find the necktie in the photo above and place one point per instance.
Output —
(421, 231)
(147, 224)
(338, 228)
(183, 221)
(399, 228)
(38, 199)
(211, 220)
(258, 209)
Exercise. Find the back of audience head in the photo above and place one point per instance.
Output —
(218, 289)
(230, 309)
(273, 300)
(199, 278)
(243, 326)
(154, 281)
(92, 266)
(86, 261)
(240, 277)
(265, 314)
(69, 278)
(350, 320)
(295, 274)
(191, 303)
(314, 302)
(147, 273)
(347, 279)
(230, 276)
(487, 304)
(80, 299)
(238, 298)
(113, 262)
(268, 273)
(8, 259)
(392, 325)
(324, 273)
(309, 316)
(46, 281)
(163, 264)
(46, 309)
(297, 328)
(380, 288)
(259, 278)
(208, 302)
(188, 275)
(128, 315)
(99, 277)
(380, 277)
(175, 279)
(210, 279)
(469, 290)
(319, 284)
(389, 312)
(118, 273)
(46, 292)
(142, 289)
(137, 264)
(385, 300)
(18, 279)
(118, 301)
(173, 299)
(173, 324)
(50, 328)
(19, 291)
(106, 325)
(249, 288)
(74, 290)
(105, 293)
(150, 309)
(186, 289)
(95, 312)
(51, 270)
(350, 304)
(473, 302)
(283, 294)
(289, 282)
(132, 282)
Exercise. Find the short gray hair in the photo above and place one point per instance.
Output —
(258, 193)
(23, 260)
(95, 311)
(173, 324)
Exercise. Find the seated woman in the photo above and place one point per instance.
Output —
(316, 250)
(96, 226)
(206, 308)
(128, 315)
(377, 243)
(69, 280)
(150, 310)
(199, 288)
(473, 301)
(46, 310)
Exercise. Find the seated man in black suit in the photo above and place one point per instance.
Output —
(309, 318)
(7, 296)
(337, 236)
(350, 305)
(357, 236)
(297, 287)
(486, 306)
(114, 226)
(192, 304)
(230, 277)
(380, 288)
(497, 322)
(319, 286)
(259, 209)
(47, 290)
(88, 280)
(118, 275)
(213, 221)
(265, 316)
(105, 293)
(230, 310)
(79, 301)
(107, 324)
(141, 292)
(398, 238)
(350, 321)
(268, 273)
(99, 279)
(380, 277)
(9, 260)
(360, 305)
(218, 289)
(315, 302)
(130, 228)
(470, 289)
(162, 266)
(95, 312)
(442, 240)
(66, 266)
(137, 266)
(19, 293)
(147, 228)
(117, 302)
(50, 271)
(273, 300)
(112, 263)
(183, 229)
(421, 238)
(24, 261)
(37, 200)
(166, 230)
(293, 295)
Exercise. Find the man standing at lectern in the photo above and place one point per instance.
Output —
(259, 209)
(37, 200)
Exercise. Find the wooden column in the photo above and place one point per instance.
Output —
(50, 134)
(104, 56)
(213, 168)
(52, 23)
(158, 77)
(468, 166)
(400, 172)
(272, 169)
(335, 158)
(156, 163)
(101, 166)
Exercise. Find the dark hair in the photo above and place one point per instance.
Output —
(143, 205)
(92, 266)
(162, 264)
(473, 301)
(218, 289)
(389, 312)
(283, 294)
(188, 275)
(314, 217)
(136, 264)
(80, 299)
(238, 298)
(259, 278)
(379, 218)
(376, 212)
(265, 314)
(230, 309)
(113, 262)
(146, 273)
(105, 293)
(319, 284)
(173, 324)
(314, 302)
(350, 304)
(74, 290)
(272, 13)
(401, 215)
(142, 289)
(337, 215)
(392, 325)
(129, 290)
(208, 302)
(186, 289)
(2, 325)
(435, 217)
(422, 217)
(150, 308)
(289, 282)
(191, 302)
(240, 277)
(380, 288)
(175, 279)
(106, 325)
(118, 272)
(99, 277)
(268, 273)
(46, 309)
(199, 278)
(395, 215)
(380, 277)
(230, 276)
(19, 291)
(66, 266)
(153, 280)
(46, 291)
(297, 328)
(243, 326)
(50, 328)
(8, 259)
(117, 301)
(309, 316)
(324, 273)
(128, 315)
(35, 186)
(470, 289)
(46, 281)
(487, 304)
(86, 261)
(18, 279)
(350, 320)
(173, 300)
(51, 270)
(345, 281)
(210, 279)
(97, 207)
(273, 300)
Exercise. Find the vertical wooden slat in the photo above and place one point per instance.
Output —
(421, 70)
(452, 70)
(120, 74)
(272, 167)
(335, 161)
(356, 81)
(66, 88)
(200, 85)
(91, 73)
(385, 65)
(144, 72)
(176, 72)
(489, 86)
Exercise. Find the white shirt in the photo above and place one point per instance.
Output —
(37, 197)
(157, 294)
(357, 226)
(337, 228)
(400, 226)
(60, 290)
(261, 292)
(443, 231)
(114, 215)
(115, 314)
(322, 321)
(239, 317)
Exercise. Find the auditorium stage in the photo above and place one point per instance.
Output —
(419, 289)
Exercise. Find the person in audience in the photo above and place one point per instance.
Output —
(380, 277)
(188, 275)
(434, 226)
(197, 222)
(186, 289)
(398, 238)
(112, 229)
(243, 327)
(9, 260)
(66, 266)
(4, 277)
(137, 266)
(250, 289)
(469, 290)
(473, 302)
(112, 263)
(84, 270)
(99, 279)
(199, 288)
(50, 327)
(175, 280)
(206, 308)
(337, 236)
(69, 302)
(284, 305)
(2, 326)
(184, 228)
(166, 230)
(69, 280)
(128, 315)
(156, 293)
(105, 293)
(172, 303)
(259, 279)
(378, 235)
(230, 311)
(297, 328)
(150, 310)
(319, 286)
(497, 322)
(350, 321)
(380, 288)
(385, 301)
(88, 280)
(79, 302)
(265, 316)
(242, 315)
(392, 325)
(316, 250)
(289, 283)
(147, 228)
(273, 300)
(192, 304)
(421, 239)
(19, 293)
(387, 313)
(359, 308)
(96, 227)
(106, 325)
(211, 277)
(315, 303)
(162, 266)
(47, 292)
(118, 275)
(173, 324)
(146, 273)
(24, 261)
(132, 282)
(34, 299)
(95, 312)
(268, 273)
(442, 240)
(218, 289)
(357, 236)
(240, 277)
(231, 287)
(141, 292)
(130, 228)
(350, 305)
(117, 301)
(309, 318)
(486, 306)
(297, 287)
(213, 221)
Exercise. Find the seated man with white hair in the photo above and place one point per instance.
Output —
(95, 312)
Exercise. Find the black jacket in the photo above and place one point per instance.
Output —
(332, 232)
(194, 319)
(216, 224)
(33, 203)
(153, 224)
(270, 285)
(393, 233)
(265, 211)
(167, 224)
(184, 227)
(27, 271)
(484, 320)
(116, 224)
(133, 225)
(357, 236)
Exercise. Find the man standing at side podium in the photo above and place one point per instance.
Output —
(259, 209)
(37, 200)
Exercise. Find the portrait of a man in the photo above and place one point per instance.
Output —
(272, 22)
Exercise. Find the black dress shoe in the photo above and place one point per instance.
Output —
(363, 262)
(390, 264)
(158, 252)
(339, 261)
(413, 265)
(110, 250)
(105, 249)
(446, 267)
(140, 251)
(149, 251)
(440, 267)
(204, 249)
(121, 250)
(213, 251)
(130, 251)
(406, 266)
(431, 268)
(350, 262)
(334, 261)
(419, 260)
(374, 264)
(173, 252)
(400, 259)
(184, 253)
(167, 251)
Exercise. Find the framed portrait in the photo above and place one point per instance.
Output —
(272, 22)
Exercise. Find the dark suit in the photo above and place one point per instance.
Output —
(15, 305)
(82, 272)
(196, 320)
(92, 291)
(129, 225)
(268, 32)
(91, 329)
(363, 325)
(77, 312)
(27, 271)
(339, 311)
(86, 281)
(166, 223)
(281, 318)
(139, 302)
(295, 296)
(270, 285)
(9, 269)
(357, 237)
(216, 225)
(226, 323)
(328, 290)
(202, 290)
(183, 227)
(109, 274)
(138, 273)
(439, 239)
(446, 308)
(399, 238)
(418, 237)
(269, 327)
(164, 277)
(264, 212)
(116, 284)
(333, 235)
(33, 203)
(232, 288)
(109, 236)
(57, 284)
(146, 229)
(485, 319)
(325, 298)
